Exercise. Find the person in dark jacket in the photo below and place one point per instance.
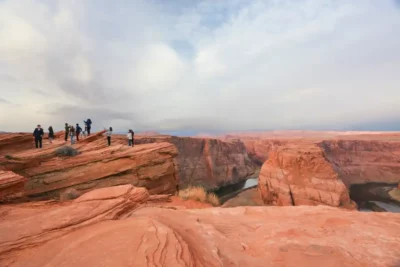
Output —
(51, 134)
(88, 125)
(66, 131)
(109, 133)
(78, 131)
(38, 134)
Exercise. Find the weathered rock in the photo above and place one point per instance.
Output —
(363, 161)
(150, 166)
(52, 174)
(109, 228)
(300, 175)
(11, 185)
(30, 224)
(15, 142)
(209, 163)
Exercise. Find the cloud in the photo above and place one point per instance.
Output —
(4, 101)
(206, 65)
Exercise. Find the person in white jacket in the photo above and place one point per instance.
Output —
(129, 136)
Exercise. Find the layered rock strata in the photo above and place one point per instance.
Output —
(113, 227)
(301, 175)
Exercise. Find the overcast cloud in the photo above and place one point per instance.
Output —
(199, 65)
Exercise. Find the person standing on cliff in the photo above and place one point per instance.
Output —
(66, 131)
(88, 125)
(130, 138)
(72, 134)
(109, 133)
(51, 134)
(78, 131)
(38, 134)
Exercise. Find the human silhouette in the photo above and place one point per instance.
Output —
(38, 134)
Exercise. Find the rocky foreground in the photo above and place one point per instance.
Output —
(126, 226)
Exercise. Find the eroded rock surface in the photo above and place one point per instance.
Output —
(364, 161)
(113, 227)
(52, 174)
(301, 175)
(11, 185)
(210, 163)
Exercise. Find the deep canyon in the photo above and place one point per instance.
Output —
(116, 205)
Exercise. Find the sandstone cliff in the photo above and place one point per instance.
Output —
(362, 161)
(120, 226)
(210, 163)
(301, 175)
(53, 174)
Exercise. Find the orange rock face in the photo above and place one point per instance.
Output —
(351, 157)
(210, 163)
(301, 175)
(54, 175)
(11, 185)
(113, 227)
(361, 161)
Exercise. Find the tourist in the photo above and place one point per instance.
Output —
(66, 131)
(72, 134)
(38, 134)
(78, 131)
(130, 138)
(109, 133)
(88, 125)
(51, 134)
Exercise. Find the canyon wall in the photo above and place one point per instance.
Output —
(363, 161)
(209, 163)
(299, 174)
(125, 226)
(294, 171)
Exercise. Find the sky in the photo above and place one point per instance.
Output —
(200, 66)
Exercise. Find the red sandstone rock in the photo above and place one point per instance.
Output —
(210, 163)
(52, 175)
(15, 142)
(362, 161)
(113, 229)
(206, 162)
(301, 175)
(11, 185)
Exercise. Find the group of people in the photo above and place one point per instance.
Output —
(72, 132)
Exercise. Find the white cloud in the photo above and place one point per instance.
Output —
(204, 65)
(158, 68)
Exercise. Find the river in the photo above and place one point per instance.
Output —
(230, 191)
